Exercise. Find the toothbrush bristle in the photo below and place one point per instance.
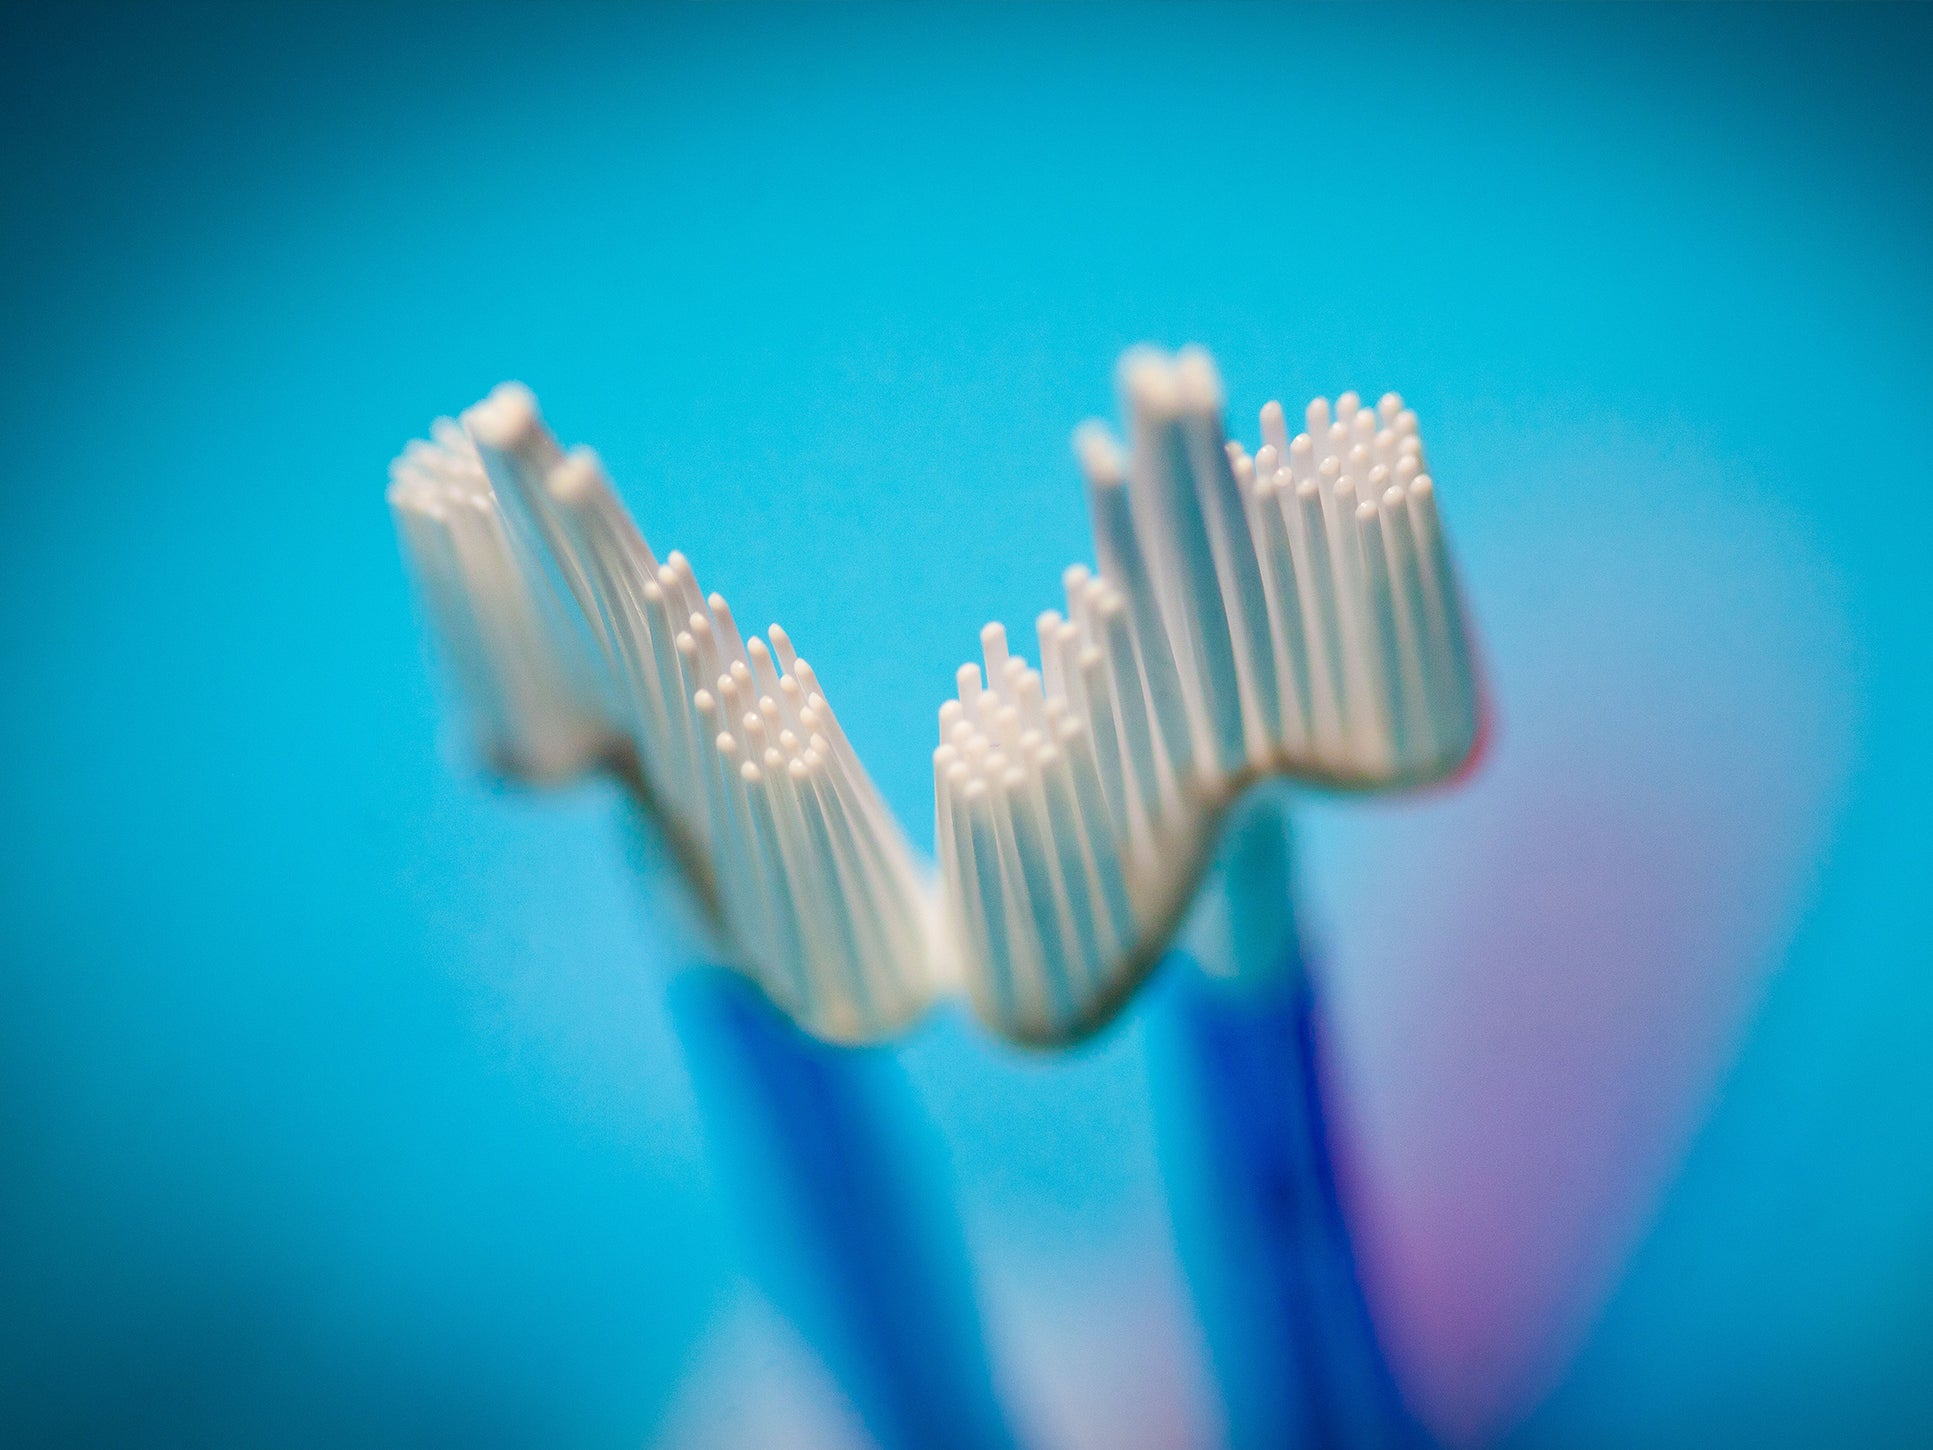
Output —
(573, 641)
(1290, 612)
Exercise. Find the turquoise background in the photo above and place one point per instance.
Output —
(337, 1101)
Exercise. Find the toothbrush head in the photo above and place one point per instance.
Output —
(578, 649)
(1292, 613)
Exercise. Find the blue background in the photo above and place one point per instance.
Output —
(337, 1101)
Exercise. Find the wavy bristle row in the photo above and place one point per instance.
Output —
(812, 882)
(1293, 612)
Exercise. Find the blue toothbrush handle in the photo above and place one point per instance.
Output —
(1289, 1328)
(1264, 1239)
(856, 1240)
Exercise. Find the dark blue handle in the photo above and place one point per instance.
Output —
(857, 1241)
(1252, 1180)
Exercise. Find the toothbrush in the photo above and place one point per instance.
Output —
(1252, 1184)
(1290, 614)
(577, 651)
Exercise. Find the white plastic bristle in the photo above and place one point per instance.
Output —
(1087, 943)
(687, 580)
(1068, 645)
(1125, 566)
(986, 898)
(1077, 582)
(1302, 458)
(1148, 382)
(1047, 633)
(968, 914)
(1131, 713)
(1105, 738)
(782, 649)
(677, 773)
(791, 697)
(764, 673)
(1363, 701)
(506, 420)
(1268, 460)
(1454, 705)
(808, 876)
(1012, 671)
(1406, 589)
(1051, 929)
(1386, 750)
(1357, 462)
(731, 643)
(856, 913)
(1237, 565)
(1172, 487)
(727, 869)
(1026, 985)
(808, 680)
(1275, 430)
(732, 700)
(945, 758)
(792, 981)
(1287, 630)
(1108, 846)
(1030, 698)
(710, 659)
(1073, 579)
(754, 892)
(690, 672)
(574, 481)
(757, 737)
(1321, 609)
(993, 648)
(1006, 727)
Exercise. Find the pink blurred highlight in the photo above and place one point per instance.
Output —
(1535, 982)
